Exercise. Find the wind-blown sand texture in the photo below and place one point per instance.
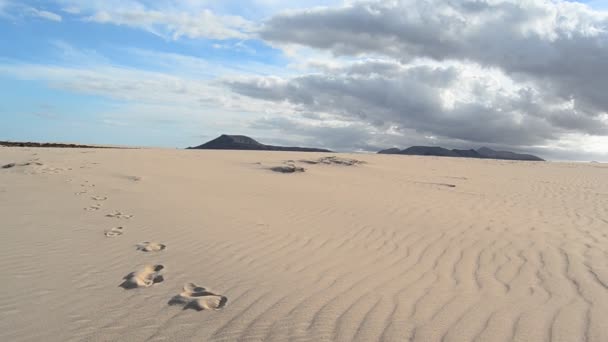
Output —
(398, 248)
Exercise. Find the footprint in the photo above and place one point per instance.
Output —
(119, 215)
(146, 277)
(114, 232)
(80, 192)
(198, 298)
(53, 170)
(93, 207)
(150, 246)
(99, 198)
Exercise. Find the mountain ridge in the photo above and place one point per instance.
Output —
(480, 153)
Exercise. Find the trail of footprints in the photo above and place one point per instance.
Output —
(192, 296)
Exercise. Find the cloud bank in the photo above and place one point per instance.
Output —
(509, 73)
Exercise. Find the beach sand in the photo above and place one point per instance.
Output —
(176, 245)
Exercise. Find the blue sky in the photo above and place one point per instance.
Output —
(57, 36)
(170, 73)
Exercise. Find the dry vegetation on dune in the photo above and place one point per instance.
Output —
(393, 249)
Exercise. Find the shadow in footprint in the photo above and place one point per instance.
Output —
(146, 277)
(150, 246)
(198, 298)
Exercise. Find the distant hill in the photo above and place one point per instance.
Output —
(43, 144)
(484, 153)
(468, 153)
(393, 150)
(507, 155)
(241, 142)
(429, 151)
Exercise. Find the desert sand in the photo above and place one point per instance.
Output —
(175, 245)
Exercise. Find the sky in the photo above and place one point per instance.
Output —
(521, 75)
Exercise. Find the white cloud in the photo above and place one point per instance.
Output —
(77, 56)
(71, 10)
(116, 83)
(186, 18)
(204, 24)
(12, 10)
(4, 8)
(182, 87)
(154, 100)
(43, 14)
(168, 19)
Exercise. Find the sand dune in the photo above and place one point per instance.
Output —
(394, 249)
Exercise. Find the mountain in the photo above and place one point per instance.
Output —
(507, 155)
(241, 142)
(468, 153)
(393, 150)
(482, 153)
(429, 151)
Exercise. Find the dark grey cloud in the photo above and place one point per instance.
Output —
(360, 138)
(553, 39)
(411, 98)
(552, 56)
(355, 136)
(561, 45)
